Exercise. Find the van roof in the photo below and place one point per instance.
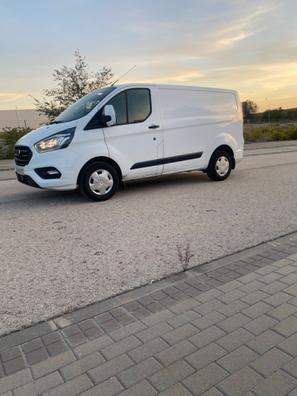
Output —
(173, 86)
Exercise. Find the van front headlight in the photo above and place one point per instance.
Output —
(55, 142)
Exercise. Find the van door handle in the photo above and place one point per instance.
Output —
(154, 126)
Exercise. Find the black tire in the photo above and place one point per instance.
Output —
(87, 184)
(213, 171)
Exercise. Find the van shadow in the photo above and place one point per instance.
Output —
(37, 198)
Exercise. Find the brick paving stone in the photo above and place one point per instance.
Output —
(232, 308)
(257, 309)
(252, 286)
(209, 295)
(274, 287)
(235, 339)
(110, 368)
(283, 311)
(208, 320)
(213, 392)
(141, 389)
(158, 317)
(231, 296)
(183, 318)
(290, 279)
(287, 327)
(51, 338)
(240, 382)
(139, 372)
(277, 299)
(175, 390)
(278, 384)
(205, 356)
(207, 336)
(81, 366)
(233, 322)
(92, 346)
(108, 388)
(128, 330)
(120, 347)
(14, 365)
(52, 364)
(15, 380)
(237, 359)
(270, 361)
(148, 349)
(254, 297)
(32, 345)
(209, 306)
(39, 386)
(56, 348)
(265, 341)
(10, 353)
(291, 367)
(204, 379)
(289, 345)
(181, 333)
(171, 375)
(36, 356)
(230, 286)
(175, 352)
(154, 331)
(260, 324)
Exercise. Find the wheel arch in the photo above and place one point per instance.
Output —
(102, 159)
(229, 150)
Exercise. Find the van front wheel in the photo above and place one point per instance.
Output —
(220, 165)
(99, 181)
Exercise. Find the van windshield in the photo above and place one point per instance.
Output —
(83, 106)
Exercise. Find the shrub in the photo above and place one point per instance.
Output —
(266, 133)
(8, 139)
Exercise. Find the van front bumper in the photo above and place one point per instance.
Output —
(49, 176)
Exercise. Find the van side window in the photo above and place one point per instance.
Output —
(120, 107)
(139, 104)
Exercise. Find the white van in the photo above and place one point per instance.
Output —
(133, 131)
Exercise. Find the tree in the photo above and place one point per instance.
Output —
(248, 108)
(72, 84)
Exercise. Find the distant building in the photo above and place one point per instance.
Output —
(21, 118)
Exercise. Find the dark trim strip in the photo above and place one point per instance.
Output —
(167, 160)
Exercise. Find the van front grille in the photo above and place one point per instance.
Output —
(22, 155)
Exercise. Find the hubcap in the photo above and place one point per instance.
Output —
(222, 166)
(101, 182)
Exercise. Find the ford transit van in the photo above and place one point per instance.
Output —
(133, 131)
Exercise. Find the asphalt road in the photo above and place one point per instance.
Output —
(59, 251)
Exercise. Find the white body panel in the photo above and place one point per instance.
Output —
(191, 123)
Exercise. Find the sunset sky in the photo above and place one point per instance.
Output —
(248, 45)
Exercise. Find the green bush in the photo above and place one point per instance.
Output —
(8, 139)
(268, 133)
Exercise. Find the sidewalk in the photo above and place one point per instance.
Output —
(228, 327)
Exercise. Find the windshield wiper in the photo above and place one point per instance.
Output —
(55, 122)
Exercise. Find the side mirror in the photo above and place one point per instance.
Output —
(109, 115)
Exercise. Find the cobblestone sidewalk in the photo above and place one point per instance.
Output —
(228, 327)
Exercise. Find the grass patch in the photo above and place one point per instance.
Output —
(269, 133)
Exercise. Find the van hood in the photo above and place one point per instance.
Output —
(43, 132)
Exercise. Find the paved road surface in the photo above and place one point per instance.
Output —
(59, 251)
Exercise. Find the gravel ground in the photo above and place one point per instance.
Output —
(59, 251)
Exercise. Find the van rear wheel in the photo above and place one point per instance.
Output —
(99, 181)
(219, 167)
